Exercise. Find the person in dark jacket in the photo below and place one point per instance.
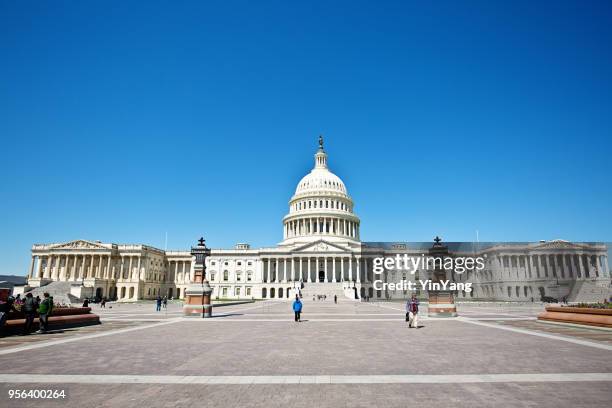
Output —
(29, 309)
(5, 308)
(158, 303)
(297, 308)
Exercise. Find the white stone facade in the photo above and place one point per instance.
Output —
(321, 252)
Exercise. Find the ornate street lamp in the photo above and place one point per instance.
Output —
(197, 294)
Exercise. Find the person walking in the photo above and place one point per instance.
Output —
(158, 303)
(44, 310)
(413, 312)
(297, 308)
(165, 302)
(335, 299)
(29, 309)
(103, 303)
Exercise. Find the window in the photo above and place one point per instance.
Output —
(224, 292)
(238, 276)
(225, 275)
(248, 291)
(249, 263)
(226, 263)
(212, 276)
(238, 263)
(249, 276)
(237, 291)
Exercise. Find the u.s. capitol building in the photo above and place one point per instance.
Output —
(321, 253)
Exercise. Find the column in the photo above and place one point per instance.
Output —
(342, 268)
(293, 274)
(284, 270)
(268, 278)
(358, 269)
(63, 272)
(100, 269)
(67, 268)
(109, 274)
(567, 263)
(365, 270)
(138, 271)
(581, 265)
(47, 269)
(275, 271)
(31, 267)
(301, 269)
(554, 266)
(74, 273)
(334, 269)
(350, 268)
(55, 268)
(325, 269)
(309, 276)
(39, 273)
(130, 269)
(77, 269)
(85, 266)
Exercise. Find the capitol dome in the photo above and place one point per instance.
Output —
(321, 207)
(320, 179)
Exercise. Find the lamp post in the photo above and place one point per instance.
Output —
(197, 294)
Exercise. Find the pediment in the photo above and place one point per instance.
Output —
(321, 246)
(559, 244)
(78, 244)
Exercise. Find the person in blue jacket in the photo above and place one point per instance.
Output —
(297, 308)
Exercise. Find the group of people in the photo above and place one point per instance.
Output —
(412, 310)
(30, 306)
(323, 297)
(161, 302)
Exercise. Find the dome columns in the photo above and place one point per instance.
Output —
(321, 226)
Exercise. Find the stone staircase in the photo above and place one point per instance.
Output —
(323, 288)
(589, 292)
(60, 292)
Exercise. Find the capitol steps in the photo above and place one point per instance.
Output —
(589, 292)
(60, 291)
(328, 289)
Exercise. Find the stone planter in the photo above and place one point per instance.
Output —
(61, 318)
(578, 315)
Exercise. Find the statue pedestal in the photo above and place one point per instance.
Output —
(197, 300)
(441, 304)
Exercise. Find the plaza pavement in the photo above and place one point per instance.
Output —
(345, 355)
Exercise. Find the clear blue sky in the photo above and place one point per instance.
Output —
(121, 121)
